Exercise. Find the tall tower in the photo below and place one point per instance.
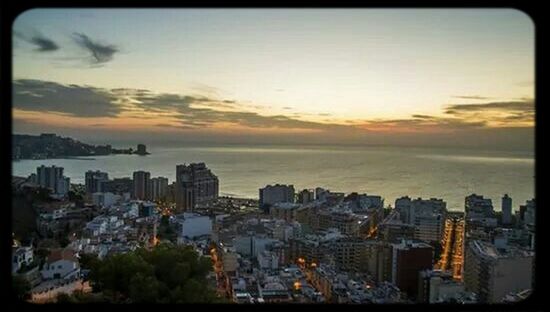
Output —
(506, 209)
(195, 183)
(142, 185)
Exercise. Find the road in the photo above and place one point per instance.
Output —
(452, 257)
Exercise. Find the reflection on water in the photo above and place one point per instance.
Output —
(388, 171)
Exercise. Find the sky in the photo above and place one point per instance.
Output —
(460, 77)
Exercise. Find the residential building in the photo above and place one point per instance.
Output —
(478, 207)
(142, 185)
(53, 179)
(194, 225)
(408, 259)
(493, 272)
(195, 183)
(278, 193)
(306, 196)
(506, 210)
(159, 188)
(94, 181)
(61, 264)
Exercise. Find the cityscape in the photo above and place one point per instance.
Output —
(278, 156)
(291, 246)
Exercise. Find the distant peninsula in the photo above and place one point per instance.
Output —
(50, 145)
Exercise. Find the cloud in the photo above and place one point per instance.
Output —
(471, 97)
(74, 100)
(512, 106)
(202, 114)
(287, 107)
(41, 42)
(100, 53)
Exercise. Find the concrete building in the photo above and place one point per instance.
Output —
(105, 200)
(61, 264)
(506, 210)
(53, 179)
(194, 225)
(429, 227)
(408, 259)
(478, 207)
(306, 196)
(142, 185)
(408, 208)
(21, 256)
(438, 287)
(529, 214)
(94, 181)
(493, 272)
(278, 193)
(396, 230)
(195, 183)
(159, 188)
(284, 211)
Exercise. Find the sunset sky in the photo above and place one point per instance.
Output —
(463, 77)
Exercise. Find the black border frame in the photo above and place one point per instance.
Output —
(10, 12)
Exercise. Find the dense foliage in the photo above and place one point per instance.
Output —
(167, 274)
(21, 288)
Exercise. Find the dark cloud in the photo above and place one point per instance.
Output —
(526, 105)
(471, 97)
(41, 42)
(75, 100)
(44, 44)
(287, 107)
(100, 53)
(324, 114)
(423, 117)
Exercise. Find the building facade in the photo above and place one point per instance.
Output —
(195, 183)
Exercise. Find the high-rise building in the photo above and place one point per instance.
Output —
(305, 196)
(94, 181)
(478, 207)
(529, 212)
(408, 259)
(278, 193)
(195, 183)
(159, 188)
(52, 178)
(493, 272)
(506, 209)
(427, 215)
(142, 185)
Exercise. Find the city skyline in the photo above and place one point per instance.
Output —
(404, 77)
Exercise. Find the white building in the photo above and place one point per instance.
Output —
(61, 264)
(105, 200)
(194, 225)
(97, 226)
(21, 256)
(493, 272)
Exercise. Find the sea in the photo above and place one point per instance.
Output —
(447, 173)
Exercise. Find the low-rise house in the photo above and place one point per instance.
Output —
(61, 264)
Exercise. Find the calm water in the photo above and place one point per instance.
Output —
(392, 172)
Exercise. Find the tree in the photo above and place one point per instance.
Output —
(167, 274)
(21, 288)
